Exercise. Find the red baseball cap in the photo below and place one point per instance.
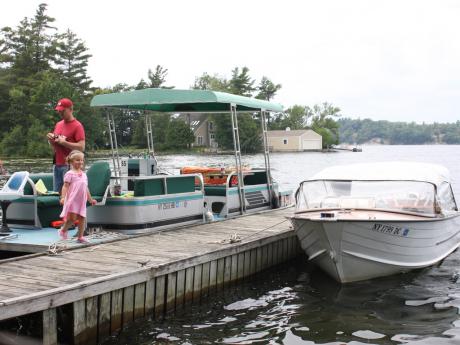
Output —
(63, 103)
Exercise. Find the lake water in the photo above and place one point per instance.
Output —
(296, 303)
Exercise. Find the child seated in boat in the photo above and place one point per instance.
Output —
(75, 193)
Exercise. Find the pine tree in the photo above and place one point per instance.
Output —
(267, 89)
(241, 83)
(71, 57)
(28, 48)
(158, 78)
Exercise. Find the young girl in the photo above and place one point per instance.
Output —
(75, 193)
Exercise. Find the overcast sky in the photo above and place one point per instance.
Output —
(396, 60)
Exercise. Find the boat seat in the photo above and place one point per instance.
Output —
(46, 178)
(98, 179)
(181, 184)
(47, 200)
(215, 190)
(148, 187)
(48, 207)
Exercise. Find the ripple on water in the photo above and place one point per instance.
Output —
(296, 304)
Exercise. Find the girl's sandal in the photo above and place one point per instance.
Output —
(62, 234)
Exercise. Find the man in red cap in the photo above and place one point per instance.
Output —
(68, 135)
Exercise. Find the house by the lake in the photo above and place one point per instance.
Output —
(294, 140)
(203, 128)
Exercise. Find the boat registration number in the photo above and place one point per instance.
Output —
(171, 205)
(390, 229)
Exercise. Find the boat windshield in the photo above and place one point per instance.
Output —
(408, 196)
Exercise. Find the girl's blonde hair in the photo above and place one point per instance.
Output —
(73, 154)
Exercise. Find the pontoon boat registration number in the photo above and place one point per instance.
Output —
(390, 229)
(170, 205)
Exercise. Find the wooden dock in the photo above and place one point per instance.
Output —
(107, 286)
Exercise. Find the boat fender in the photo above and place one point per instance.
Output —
(209, 216)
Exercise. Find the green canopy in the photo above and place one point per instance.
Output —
(172, 100)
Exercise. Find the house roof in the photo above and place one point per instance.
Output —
(174, 100)
(196, 119)
(291, 133)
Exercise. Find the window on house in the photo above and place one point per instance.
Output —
(285, 141)
(212, 136)
(199, 140)
(211, 126)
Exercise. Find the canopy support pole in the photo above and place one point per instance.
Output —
(263, 118)
(238, 165)
(148, 128)
(114, 147)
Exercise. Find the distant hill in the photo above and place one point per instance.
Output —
(367, 131)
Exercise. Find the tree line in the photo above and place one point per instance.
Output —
(397, 133)
(39, 65)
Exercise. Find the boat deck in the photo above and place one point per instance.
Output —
(39, 282)
(47, 239)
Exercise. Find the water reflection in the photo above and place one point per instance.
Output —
(298, 304)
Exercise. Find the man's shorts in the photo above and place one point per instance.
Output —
(58, 176)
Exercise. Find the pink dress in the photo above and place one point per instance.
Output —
(75, 200)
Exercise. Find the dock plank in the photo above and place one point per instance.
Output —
(42, 282)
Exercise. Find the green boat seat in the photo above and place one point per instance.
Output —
(182, 184)
(214, 190)
(148, 187)
(46, 178)
(47, 200)
(48, 207)
(98, 179)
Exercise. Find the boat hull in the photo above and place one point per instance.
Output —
(145, 214)
(354, 249)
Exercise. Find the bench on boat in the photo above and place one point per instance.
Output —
(48, 207)
(164, 185)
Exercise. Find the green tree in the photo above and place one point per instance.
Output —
(37, 145)
(223, 129)
(267, 89)
(295, 117)
(250, 134)
(28, 48)
(241, 83)
(139, 138)
(208, 82)
(71, 57)
(323, 122)
(179, 134)
(14, 143)
(158, 78)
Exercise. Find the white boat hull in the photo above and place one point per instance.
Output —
(144, 214)
(359, 249)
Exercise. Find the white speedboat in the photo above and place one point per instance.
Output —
(363, 221)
